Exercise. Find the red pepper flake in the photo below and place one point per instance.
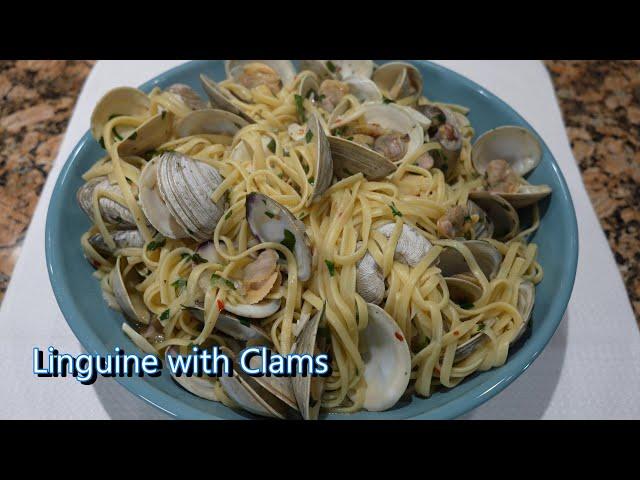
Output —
(399, 336)
(220, 305)
(437, 370)
(456, 333)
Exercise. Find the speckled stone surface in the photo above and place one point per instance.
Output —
(36, 101)
(600, 101)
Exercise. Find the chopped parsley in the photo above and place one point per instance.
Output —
(480, 326)
(467, 218)
(228, 215)
(331, 267)
(179, 284)
(289, 240)
(387, 100)
(156, 244)
(394, 210)
(305, 167)
(216, 280)
(185, 255)
(116, 134)
(165, 315)
(308, 136)
(466, 305)
(133, 136)
(269, 214)
(272, 146)
(244, 321)
(300, 107)
(197, 259)
(312, 181)
(339, 131)
(331, 66)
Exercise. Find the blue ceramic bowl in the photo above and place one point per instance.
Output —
(99, 329)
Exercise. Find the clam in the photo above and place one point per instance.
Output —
(175, 195)
(463, 289)
(398, 80)
(112, 212)
(187, 95)
(232, 325)
(410, 250)
(364, 89)
(509, 153)
(203, 387)
(387, 361)
(221, 99)
(340, 69)
(499, 213)
(128, 298)
(526, 296)
(284, 70)
(265, 396)
(210, 121)
(122, 239)
(207, 250)
(449, 137)
(308, 85)
(271, 222)
(350, 158)
(321, 68)
(322, 154)
(452, 262)
(306, 388)
(119, 101)
(148, 136)
(262, 309)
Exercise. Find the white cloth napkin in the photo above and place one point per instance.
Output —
(590, 369)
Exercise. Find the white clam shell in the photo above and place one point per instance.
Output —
(127, 297)
(387, 361)
(112, 212)
(516, 145)
(391, 77)
(210, 121)
(119, 101)
(284, 68)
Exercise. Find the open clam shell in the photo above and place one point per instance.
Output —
(387, 361)
(232, 325)
(369, 279)
(340, 69)
(398, 80)
(526, 195)
(463, 289)
(364, 89)
(210, 121)
(350, 158)
(516, 145)
(308, 84)
(284, 68)
(322, 154)
(308, 389)
(119, 101)
(503, 217)
(271, 222)
(319, 67)
(452, 262)
(262, 309)
(188, 96)
(264, 396)
(175, 195)
(203, 387)
(112, 212)
(122, 239)
(220, 99)
(127, 297)
(148, 136)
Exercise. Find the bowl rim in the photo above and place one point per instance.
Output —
(475, 397)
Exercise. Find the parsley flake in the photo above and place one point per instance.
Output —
(331, 267)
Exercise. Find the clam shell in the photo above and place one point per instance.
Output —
(231, 325)
(516, 145)
(500, 212)
(526, 195)
(350, 158)
(262, 309)
(319, 67)
(210, 121)
(451, 262)
(122, 239)
(186, 186)
(203, 387)
(284, 68)
(272, 228)
(219, 99)
(148, 136)
(387, 361)
(306, 343)
(119, 101)
(112, 212)
(353, 68)
(307, 85)
(127, 297)
(369, 280)
(188, 96)
(322, 154)
(364, 89)
(411, 247)
(391, 78)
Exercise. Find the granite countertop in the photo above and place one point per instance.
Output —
(600, 101)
